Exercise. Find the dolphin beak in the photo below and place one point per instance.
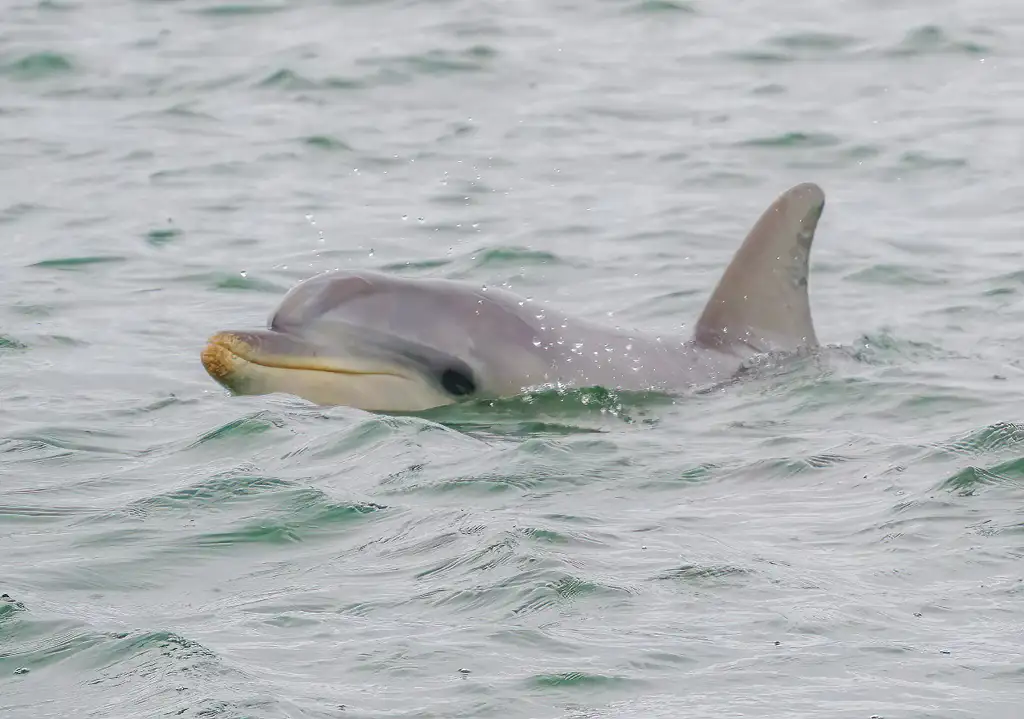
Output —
(231, 356)
(258, 362)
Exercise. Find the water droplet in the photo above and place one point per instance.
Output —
(405, 217)
(536, 343)
(244, 273)
(371, 252)
(420, 219)
(483, 288)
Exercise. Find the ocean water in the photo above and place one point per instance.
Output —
(844, 539)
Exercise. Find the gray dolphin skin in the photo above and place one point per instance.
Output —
(391, 344)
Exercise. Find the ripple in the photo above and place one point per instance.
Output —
(38, 66)
(796, 465)
(581, 680)
(885, 348)
(415, 265)
(326, 142)
(33, 643)
(489, 556)
(240, 10)
(931, 40)
(971, 480)
(917, 518)
(157, 672)
(761, 57)
(20, 210)
(924, 162)
(525, 593)
(896, 274)
(553, 410)
(233, 281)
(212, 493)
(14, 513)
(287, 79)
(292, 513)
(185, 176)
(243, 427)
(9, 607)
(177, 111)
(797, 47)
(823, 41)
(990, 439)
(79, 263)
(57, 6)
(438, 62)
(161, 236)
(701, 573)
(791, 140)
(8, 343)
(63, 441)
(661, 7)
(502, 256)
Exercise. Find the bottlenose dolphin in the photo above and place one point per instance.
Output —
(393, 344)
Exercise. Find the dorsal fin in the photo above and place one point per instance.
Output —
(761, 298)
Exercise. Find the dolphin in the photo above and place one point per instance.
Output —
(393, 344)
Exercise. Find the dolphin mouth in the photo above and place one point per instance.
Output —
(228, 353)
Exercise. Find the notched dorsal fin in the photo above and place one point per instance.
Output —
(761, 298)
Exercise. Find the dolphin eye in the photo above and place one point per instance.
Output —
(457, 383)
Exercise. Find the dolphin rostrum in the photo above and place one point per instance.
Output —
(391, 344)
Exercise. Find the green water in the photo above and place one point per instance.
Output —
(844, 539)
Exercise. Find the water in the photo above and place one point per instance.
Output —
(844, 539)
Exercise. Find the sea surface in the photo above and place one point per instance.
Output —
(843, 539)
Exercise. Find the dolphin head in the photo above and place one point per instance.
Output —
(384, 343)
